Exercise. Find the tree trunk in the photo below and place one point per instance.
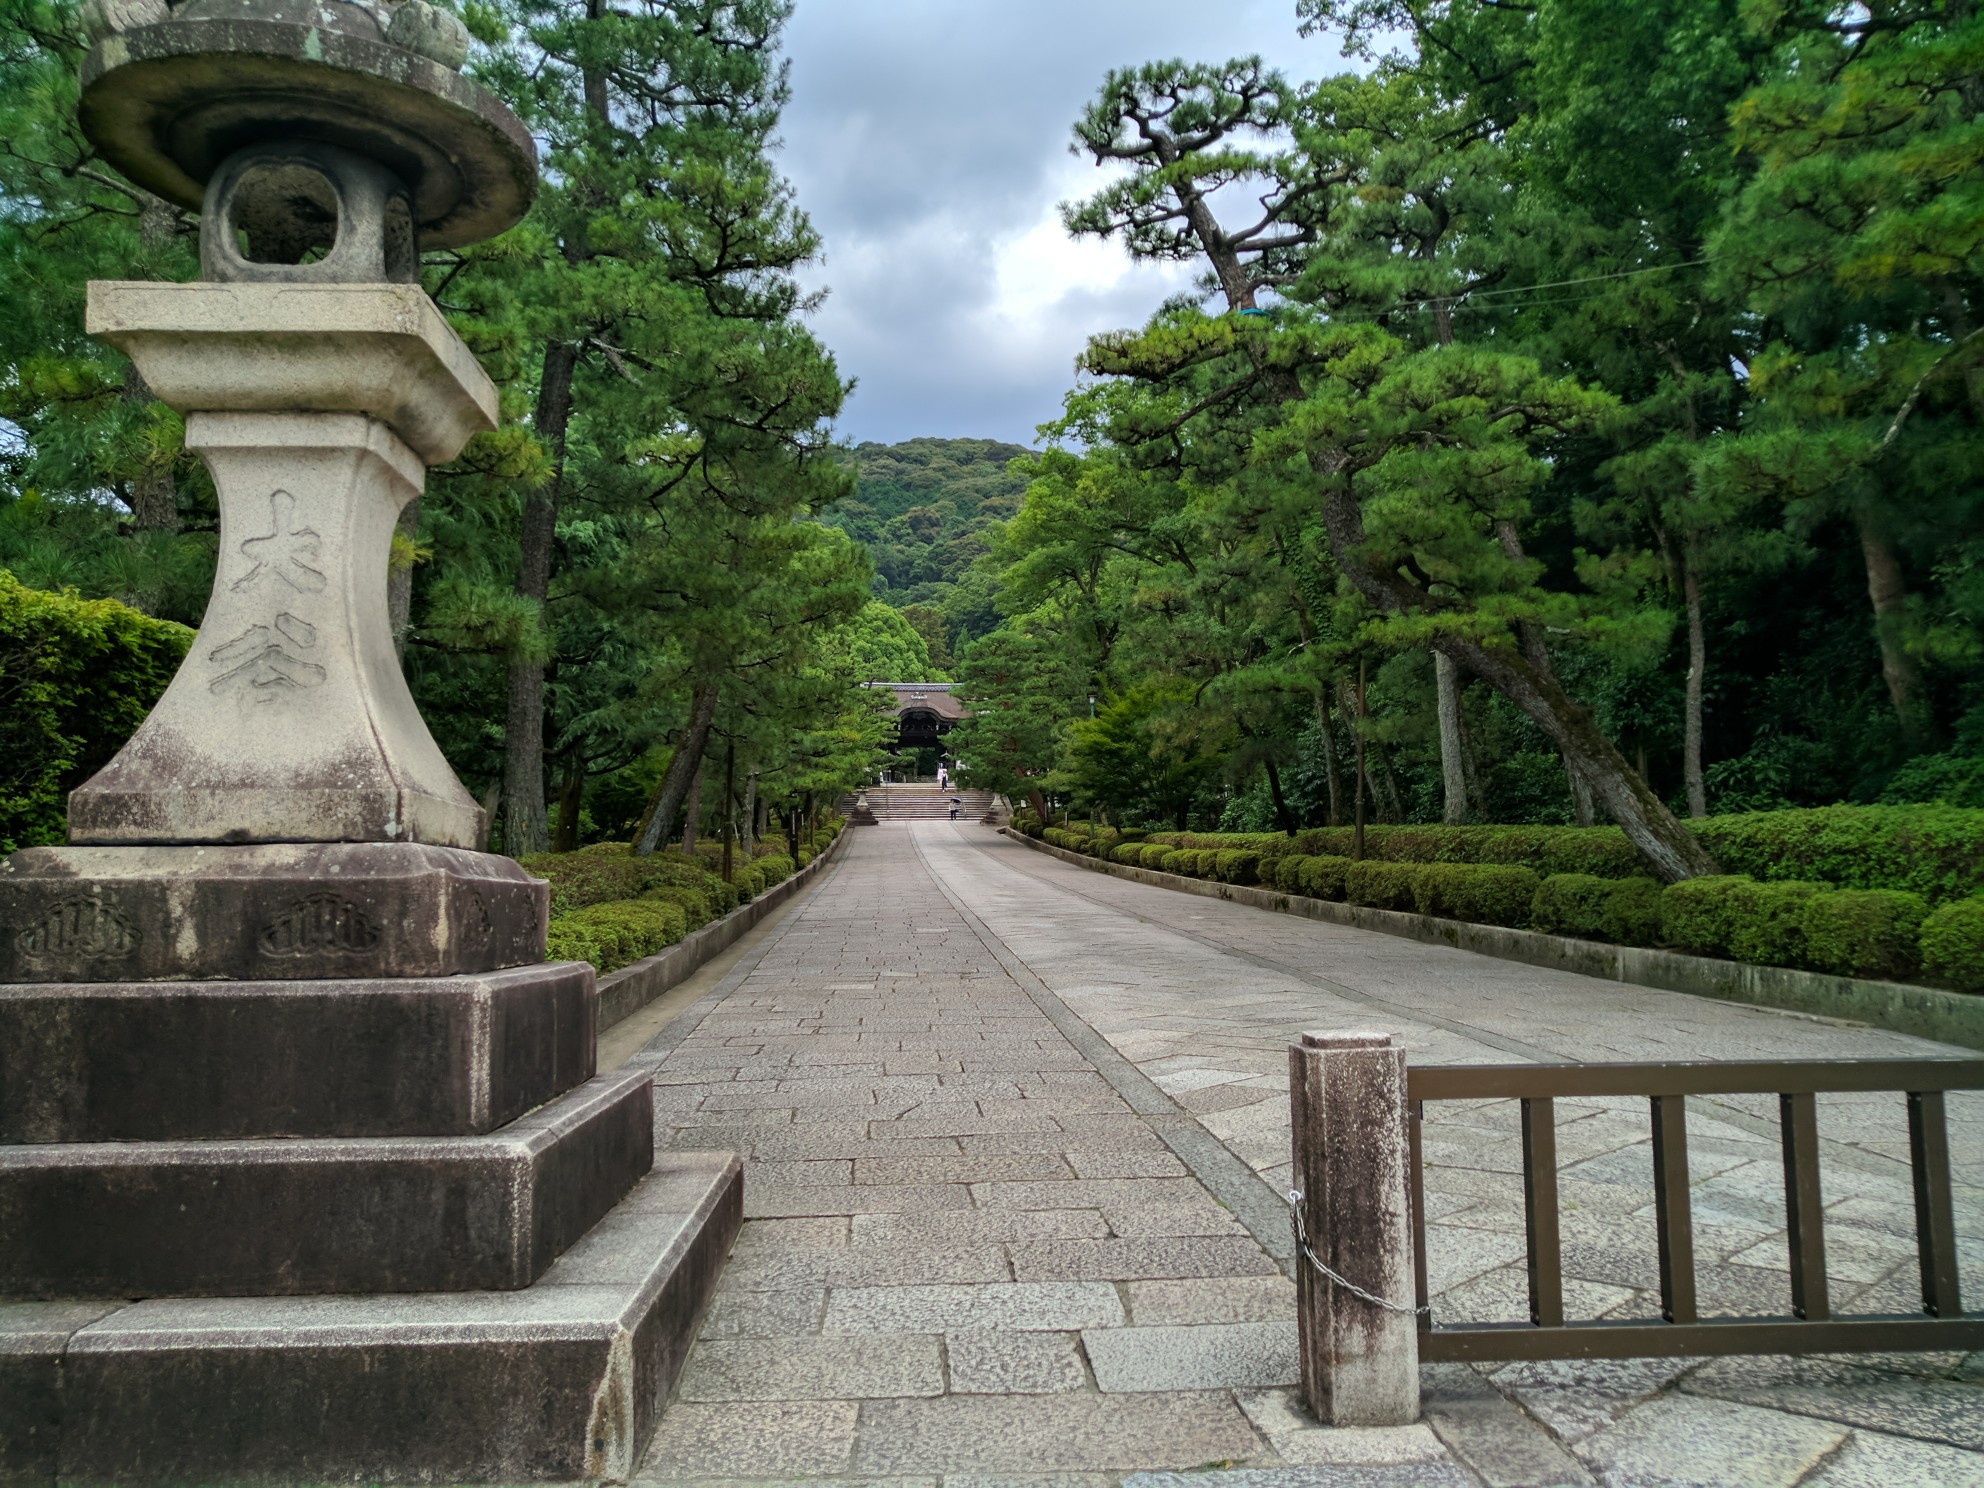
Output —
(1455, 808)
(1584, 810)
(1039, 804)
(750, 817)
(1284, 818)
(1330, 768)
(570, 794)
(1691, 735)
(728, 824)
(523, 738)
(1363, 775)
(1887, 588)
(692, 812)
(684, 764)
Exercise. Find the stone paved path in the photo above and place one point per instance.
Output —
(1013, 1131)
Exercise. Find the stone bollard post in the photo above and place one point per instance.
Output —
(1360, 1356)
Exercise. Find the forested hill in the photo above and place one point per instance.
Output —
(921, 508)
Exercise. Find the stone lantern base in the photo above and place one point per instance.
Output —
(307, 1171)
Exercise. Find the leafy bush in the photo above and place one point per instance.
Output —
(1131, 834)
(1236, 866)
(78, 676)
(1380, 885)
(1288, 873)
(1767, 922)
(1155, 853)
(1571, 904)
(1865, 932)
(1632, 912)
(1325, 876)
(614, 935)
(1494, 894)
(1953, 944)
(1698, 914)
(1128, 852)
(1934, 851)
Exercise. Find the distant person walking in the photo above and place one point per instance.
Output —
(943, 777)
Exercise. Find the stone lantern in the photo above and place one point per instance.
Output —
(306, 1168)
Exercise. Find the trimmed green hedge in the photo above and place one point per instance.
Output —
(77, 676)
(618, 934)
(1953, 944)
(612, 908)
(1865, 932)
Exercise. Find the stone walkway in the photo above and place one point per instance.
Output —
(1014, 1133)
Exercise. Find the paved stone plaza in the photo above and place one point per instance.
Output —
(1015, 1134)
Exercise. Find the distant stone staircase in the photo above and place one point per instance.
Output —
(921, 803)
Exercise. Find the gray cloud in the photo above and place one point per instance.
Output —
(928, 141)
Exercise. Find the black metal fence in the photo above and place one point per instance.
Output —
(1811, 1326)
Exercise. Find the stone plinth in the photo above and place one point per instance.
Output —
(381, 1214)
(206, 1061)
(278, 911)
(561, 1381)
(317, 408)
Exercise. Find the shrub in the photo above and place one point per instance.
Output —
(614, 935)
(1132, 834)
(1934, 851)
(1865, 932)
(1434, 885)
(1155, 853)
(1325, 876)
(1953, 944)
(1767, 922)
(1631, 915)
(1128, 852)
(1380, 885)
(1697, 915)
(80, 676)
(1571, 904)
(1288, 873)
(1495, 894)
(776, 868)
(1625, 911)
(1236, 866)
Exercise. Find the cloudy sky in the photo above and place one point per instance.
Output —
(928, 140)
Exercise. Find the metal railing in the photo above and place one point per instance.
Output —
(1811, 1327)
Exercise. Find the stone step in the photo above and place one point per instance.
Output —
(561, 1382)
(424, 1056)
(269, 1218)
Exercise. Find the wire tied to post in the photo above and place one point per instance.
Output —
(1309, 1254)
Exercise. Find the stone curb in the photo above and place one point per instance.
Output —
(1926, 1012)
(625, 992)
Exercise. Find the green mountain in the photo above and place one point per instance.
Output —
(922, 509)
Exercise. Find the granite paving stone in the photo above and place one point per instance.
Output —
(1199, 1357)
(980, 1092)
(993, 1361)
(813, 1368)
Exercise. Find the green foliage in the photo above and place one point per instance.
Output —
(1480, 893)
(1625, 911)
(1572, 904)
(1699, 916)
(1934, 851)
(879, 645)
(1767, 922)
(1953, 944)
(1326, 877)
(1380, 885)
(1865, 932)
(1236, 866)
(77, 677)
(616, 934)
